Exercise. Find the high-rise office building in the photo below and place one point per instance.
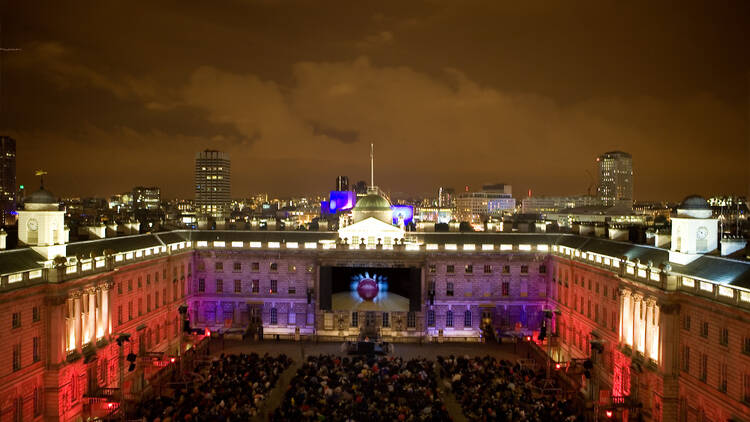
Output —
(7, 181)
(212, 184)
(615, 178)
(146, 198)
(342, 183)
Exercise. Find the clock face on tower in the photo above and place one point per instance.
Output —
(32, 224)
(702, 233)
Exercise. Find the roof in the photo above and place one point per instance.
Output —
(18, 260)
(41, 197)
(694, 202)
(707, 267)
(116, 244)
(372, 202)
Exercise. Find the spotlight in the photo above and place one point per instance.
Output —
(608, 413)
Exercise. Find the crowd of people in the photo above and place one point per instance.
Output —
(497, 390)
(333, 388)
(229, 388)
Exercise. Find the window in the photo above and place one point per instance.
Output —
(723, 378)
(16, 357)
(411, 320)
(156, 299)
(35, 353)
(588, 309)
(130, 285)
(704, 367)
(724, 336)
(274, 287)
(506, 288)
(524, 269)
(589, 284)
(16, 319)
(274, 267)
(255, 286)
(605, 291)
(119, 315)
(237, 267)
(219, 286)
(449, 289)
(386, 319)
(119, 287)
(542, 269)
(430, 318)
(746, 346)
(140, 282)
(467, 319)
(274, 316)
(746, 387)
(148, 279)
(238, 286)
(292, 289)
(140, 306)
(596, 289)
(355, 319)
(38, 402)
(432, 268)
(164, 296)
(468, 269)
(218, 267)
(487, 269)
(506, 269)
(704, 329)
(449, 319)
(130, 310)
(156, 277)
(255, 266)
(35, 315)
(450, 269)
(685, 358)
(148, 303)
(686, 323)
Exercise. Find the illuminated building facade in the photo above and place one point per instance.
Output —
(673, 323)
(146, 198)
(554, 204)
(342, 183)
(615, 178)
(7, 181)
(212, 184)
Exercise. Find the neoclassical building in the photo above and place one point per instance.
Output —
(670, 328)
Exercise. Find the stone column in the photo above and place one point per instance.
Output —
(626, 317)
(638, 328)
(77, 318)
(103, 327)
(648, 308)
(653, 351)
(91, 316)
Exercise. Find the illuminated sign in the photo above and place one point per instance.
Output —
(338, 201)
(402, 212)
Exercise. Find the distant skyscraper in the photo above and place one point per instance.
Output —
(360, 187)
(212, 184)
(7, 181)
(342, 183)
(146, 198)
(615, 178)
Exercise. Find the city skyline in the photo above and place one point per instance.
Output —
(303, 90)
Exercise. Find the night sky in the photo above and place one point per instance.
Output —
(108, 95)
